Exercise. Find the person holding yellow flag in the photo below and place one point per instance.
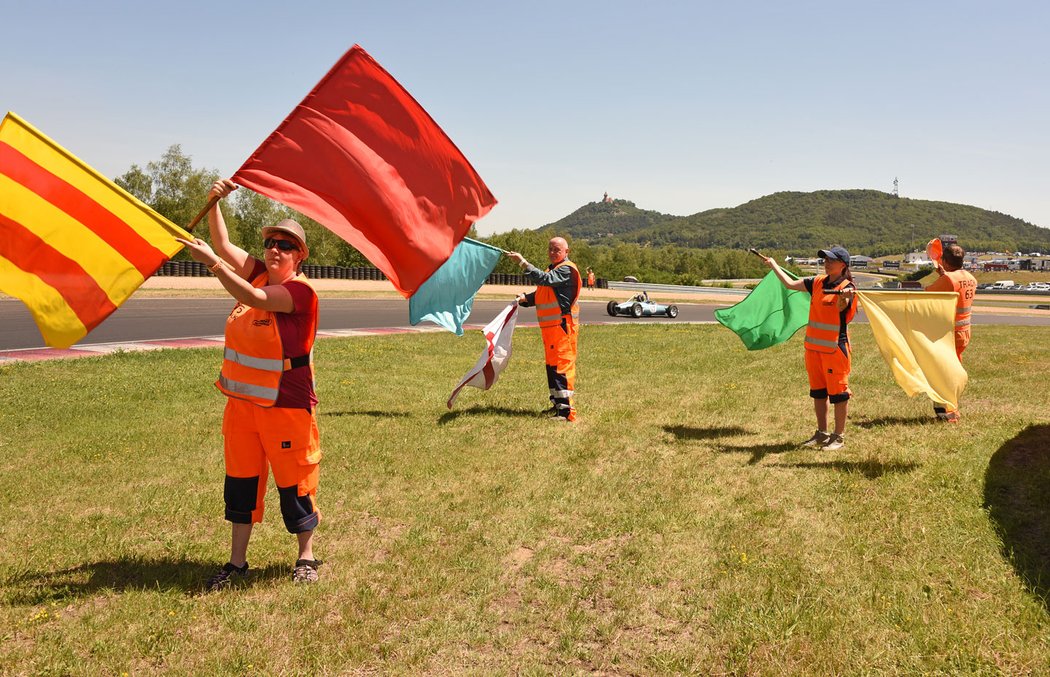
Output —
(954, 279)
(828, 363)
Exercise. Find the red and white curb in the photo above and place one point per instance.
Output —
(96, 349)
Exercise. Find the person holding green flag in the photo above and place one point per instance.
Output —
(831, 308)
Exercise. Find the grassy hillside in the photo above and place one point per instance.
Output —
(866, 221)
(601, 220)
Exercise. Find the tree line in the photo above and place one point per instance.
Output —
(178, 191)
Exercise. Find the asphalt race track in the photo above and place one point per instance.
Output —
(171, 318)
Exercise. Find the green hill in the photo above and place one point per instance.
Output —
(596, 221)
(865, 221)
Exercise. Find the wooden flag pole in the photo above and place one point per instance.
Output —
(198, 217)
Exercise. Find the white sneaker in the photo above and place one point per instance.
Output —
(819, 439)
(834, 443)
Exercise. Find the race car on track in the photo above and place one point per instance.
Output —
(639, 305)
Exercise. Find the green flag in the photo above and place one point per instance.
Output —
(769, 315)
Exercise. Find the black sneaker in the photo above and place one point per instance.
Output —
(305, 570)
(225, 577)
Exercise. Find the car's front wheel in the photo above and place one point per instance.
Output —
(611, 308)
(672, 312)
(636, 310)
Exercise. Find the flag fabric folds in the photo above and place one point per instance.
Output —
(915, 333)
(360, 156)
(447, 297)
(494, 359)
(73, 245)
(769, 315)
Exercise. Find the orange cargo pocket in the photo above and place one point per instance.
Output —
(292, 433)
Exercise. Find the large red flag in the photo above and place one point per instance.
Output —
(360, 156)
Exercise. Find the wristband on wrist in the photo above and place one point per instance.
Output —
(215, 268)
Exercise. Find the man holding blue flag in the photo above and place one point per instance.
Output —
(558, 312)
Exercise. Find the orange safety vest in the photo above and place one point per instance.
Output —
(965, 285)
(590, 279)
(254, 360)
(548, 311)
(822, 332)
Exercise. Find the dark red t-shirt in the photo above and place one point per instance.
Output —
(297, 338)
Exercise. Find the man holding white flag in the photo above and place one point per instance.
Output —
(498, 334)
(556, 300)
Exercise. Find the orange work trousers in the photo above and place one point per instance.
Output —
(559, 352)
(286, 440)
(829, 375)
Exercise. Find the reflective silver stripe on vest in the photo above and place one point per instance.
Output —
(260, 363)
(821, 342)
(546, 306)
(826, 327)
(962, 323)
(240, 388)
(964, 309)
(562, 393)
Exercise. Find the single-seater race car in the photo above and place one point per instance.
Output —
(639, 305)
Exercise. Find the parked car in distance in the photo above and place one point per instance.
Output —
(1003, 284)
(639, 305)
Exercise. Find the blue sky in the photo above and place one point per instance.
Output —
(677, 106)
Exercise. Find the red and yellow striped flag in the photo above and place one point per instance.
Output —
(73, 244)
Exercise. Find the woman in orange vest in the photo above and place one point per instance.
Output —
(558, 313)
(827, 341)
(267, 376)
(590, 279)
(954, 278)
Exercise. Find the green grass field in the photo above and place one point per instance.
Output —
(676, 528)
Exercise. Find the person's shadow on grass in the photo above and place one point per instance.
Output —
(372, 413)
(1017, 498)
(450, 416)
(880, 421)
(869, 468)
(127, 574)
(684, 432)
(757, 451)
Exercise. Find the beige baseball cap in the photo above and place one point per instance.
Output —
(290, 227)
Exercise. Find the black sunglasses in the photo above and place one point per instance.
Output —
(283, 245)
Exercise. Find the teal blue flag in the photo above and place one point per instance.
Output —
(769, 315)
(448, 295)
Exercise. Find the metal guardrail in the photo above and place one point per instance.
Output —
(675, 288)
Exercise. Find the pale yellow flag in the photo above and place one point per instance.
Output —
(915, 332)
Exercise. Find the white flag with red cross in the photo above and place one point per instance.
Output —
(494, 358)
